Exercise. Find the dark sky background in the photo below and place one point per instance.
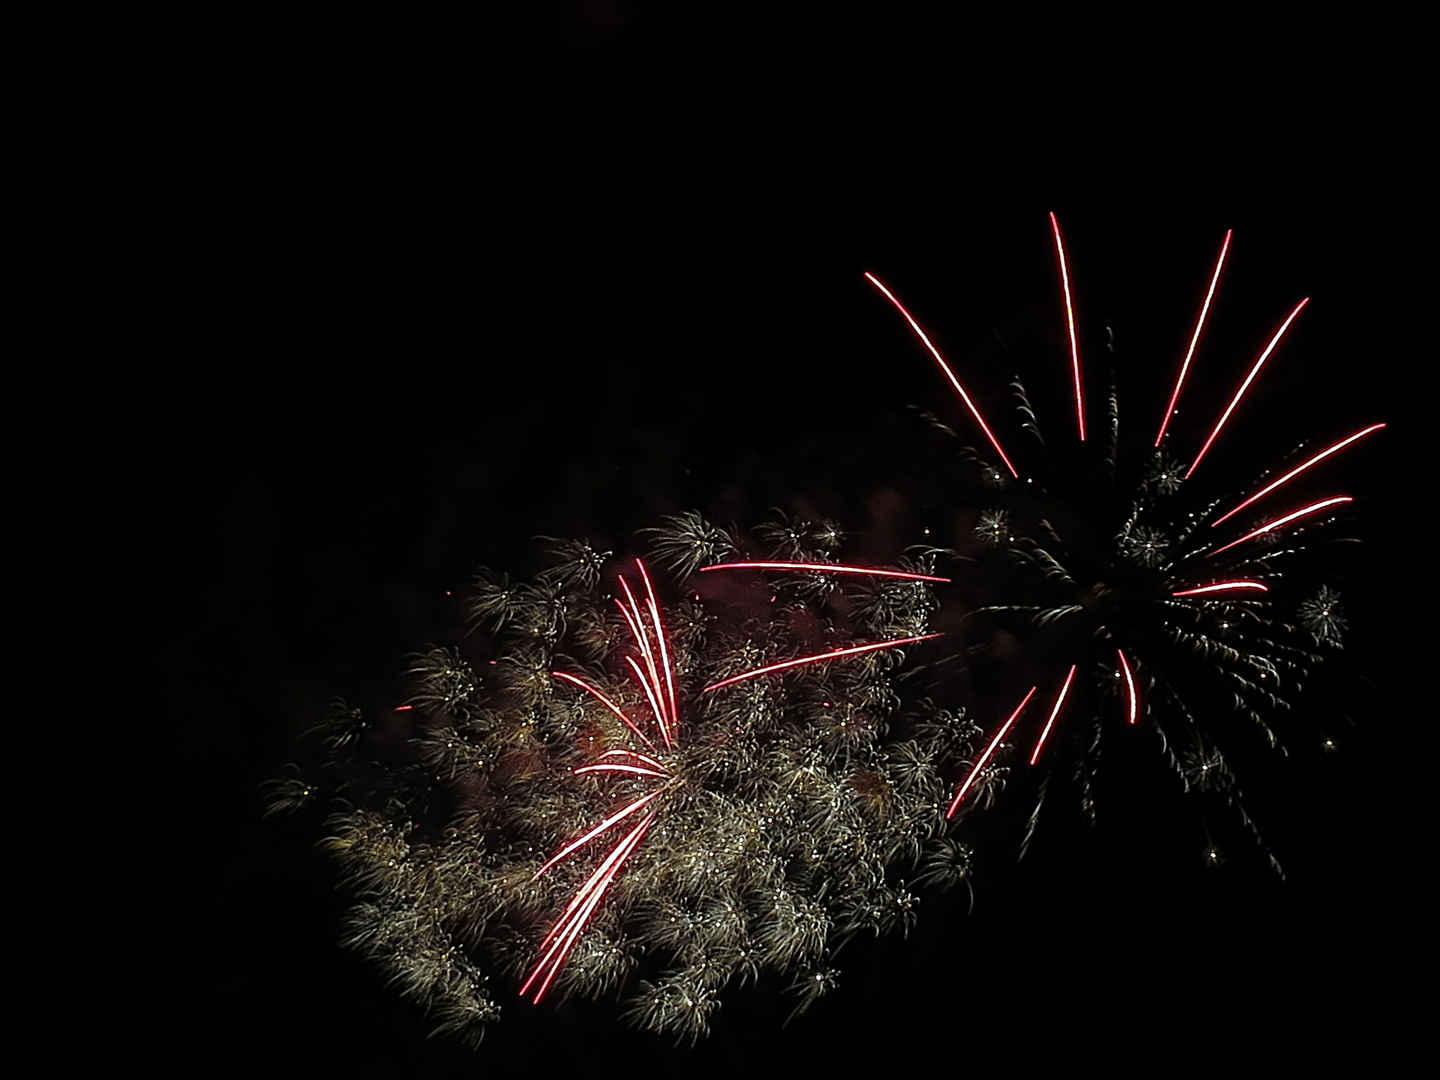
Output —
(450, 285)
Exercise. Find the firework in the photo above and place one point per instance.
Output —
(1128, 603)
(660, 798)
(656, 677)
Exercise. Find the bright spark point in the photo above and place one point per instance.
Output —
(1070, 327)
(855, 650)
(1224, 586)
(1299, 469)
(944, 367)
(1246, 384)
(825, 568)
(1313, 508)
(989, 750)
(1194, 340)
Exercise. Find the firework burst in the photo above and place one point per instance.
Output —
(659, 799)
(654, 674)
(1121, 600)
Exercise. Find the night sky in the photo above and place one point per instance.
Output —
(450, 286)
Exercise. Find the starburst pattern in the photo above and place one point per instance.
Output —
(1123, 601)
(1322, 616)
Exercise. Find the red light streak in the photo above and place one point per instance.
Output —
(944, 367)
(1132, 696)
(653, 671)
(825, 568)
(657, 707)
(613, 819)
(653, 687)
(576, 680)
(641, 633)
(1246, 384)
(1313, 508)
(566, 931)
(660, 636)
(634, 754)
(854, 650)
(1195, 339)
(1054, 712)
(634, 770)
(661, 695)
(1299, 469)
(1070, 326)
(989, 750)
(1224, 586)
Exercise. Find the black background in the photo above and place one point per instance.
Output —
(437, 285)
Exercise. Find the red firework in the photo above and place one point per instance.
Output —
(1192, 582)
